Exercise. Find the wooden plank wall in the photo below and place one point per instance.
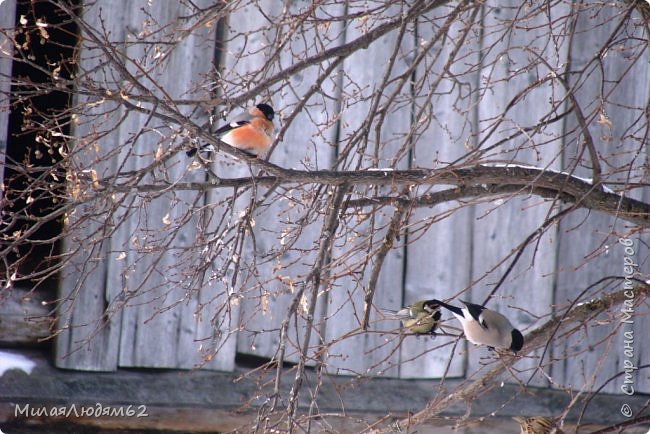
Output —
(527, 293)
(88, 340)
(151, 334)
(137, 335)
(438, 260)
(588, 242)
(459, 256)
(282, 262)
(367, 353)
(7, 14)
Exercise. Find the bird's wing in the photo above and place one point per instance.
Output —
(231, 126)
(482, 322)
(236, 122)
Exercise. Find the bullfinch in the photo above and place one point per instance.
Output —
(251, 132)
(483, 326)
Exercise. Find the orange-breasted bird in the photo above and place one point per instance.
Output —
(251, 132)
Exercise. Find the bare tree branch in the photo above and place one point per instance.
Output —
(473, 181)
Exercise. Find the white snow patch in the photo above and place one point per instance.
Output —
(521, 166)
(10, 361)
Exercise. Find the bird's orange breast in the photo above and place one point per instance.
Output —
(255, 137)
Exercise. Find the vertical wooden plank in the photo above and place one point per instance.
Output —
(595, 353)
(128, 266)
(88, 339)
(627, 151)
(589, 249)
(284, 243)
(162, 325)
(373, 352)
(501, 225)
(7, 18)
(207, 315)
(223, 294)
(438, 259)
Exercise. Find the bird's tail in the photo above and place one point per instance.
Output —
(395, 314)
(197, 148)
(211, 148)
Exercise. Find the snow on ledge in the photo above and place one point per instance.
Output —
(10, 361)
(590, 181)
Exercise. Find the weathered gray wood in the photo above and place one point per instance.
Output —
(7, 16)
(372, 352)
(594, 353)
(597, 353)
(88, 340)
(160, 326)
(222, 297)
(283, 262)
(500, 226)
(24, 319)
(438, 260)
(142, 334)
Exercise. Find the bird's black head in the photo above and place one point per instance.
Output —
(267, 110)
(433, 308)
(517, 341)
(432, 304)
